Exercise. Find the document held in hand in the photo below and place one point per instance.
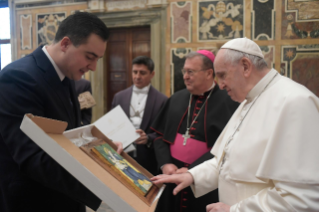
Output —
(117, 127)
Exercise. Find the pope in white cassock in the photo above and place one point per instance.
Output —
(266, 158)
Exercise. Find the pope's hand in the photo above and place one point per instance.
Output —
(182, 170)
(218, 207)
(119, 147)
(181, 180)
(143, 137)
(169, 169)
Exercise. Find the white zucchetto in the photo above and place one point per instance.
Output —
(244, 45)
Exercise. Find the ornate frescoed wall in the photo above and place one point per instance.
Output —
(263, 20)
(301, 63)
(178, 59)
(47, 26)
(25, 31)
(300, 19)
(287, 32)
(37, 24)
(220, 20)
(181, 17)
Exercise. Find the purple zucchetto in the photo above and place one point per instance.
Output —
(208, 54)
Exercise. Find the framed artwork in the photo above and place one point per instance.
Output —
(119, 167)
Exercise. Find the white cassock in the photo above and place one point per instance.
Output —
(271, 164)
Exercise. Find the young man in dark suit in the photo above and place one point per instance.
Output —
(141, 102)
(42, 84)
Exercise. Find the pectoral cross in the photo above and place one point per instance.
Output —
(186, 136)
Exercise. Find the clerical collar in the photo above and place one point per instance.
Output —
(58, 71)
(141, 90)
(260, 85)
(206, 92)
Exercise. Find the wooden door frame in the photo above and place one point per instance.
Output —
(153, 17)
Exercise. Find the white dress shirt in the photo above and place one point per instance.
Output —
(137, 105)
(58, 71)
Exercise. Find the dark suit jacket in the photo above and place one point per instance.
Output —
(155, 100)
(30, 180)
(81, 86)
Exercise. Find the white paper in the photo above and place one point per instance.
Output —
(130, 148)
(117, 126)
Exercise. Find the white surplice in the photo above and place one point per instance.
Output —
(271, 162)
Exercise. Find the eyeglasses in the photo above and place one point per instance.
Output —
(190, 72)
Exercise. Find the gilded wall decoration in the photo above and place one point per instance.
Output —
(181, 16)
(47, 26)
(301, 63)
(269, 55)
(220, 20)
(177, 63)
(300, 19)
(263, 19)
(25, 31)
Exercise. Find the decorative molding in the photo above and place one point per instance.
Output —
(156, 18)
(305, 10)
(300, 63)
(263, 10)
(290, 53)
(130, 18)
(125, 5)
(157, 3)
(177, 63)
(301, 23)
(181, 22)
(28, 4)
(26, 31)
(269, 55)
(96, 6)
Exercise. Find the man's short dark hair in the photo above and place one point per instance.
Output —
(79, 26)
(148, 62)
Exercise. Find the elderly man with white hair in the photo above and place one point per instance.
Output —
(266, 157)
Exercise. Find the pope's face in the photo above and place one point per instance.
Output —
(230, 78)
(80, 59)
(141, 75)
(195, 77)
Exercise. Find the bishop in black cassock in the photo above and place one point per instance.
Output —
(211, 110)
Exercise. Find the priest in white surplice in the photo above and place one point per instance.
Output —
(266, 158)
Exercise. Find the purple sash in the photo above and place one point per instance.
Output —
(189, 153)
